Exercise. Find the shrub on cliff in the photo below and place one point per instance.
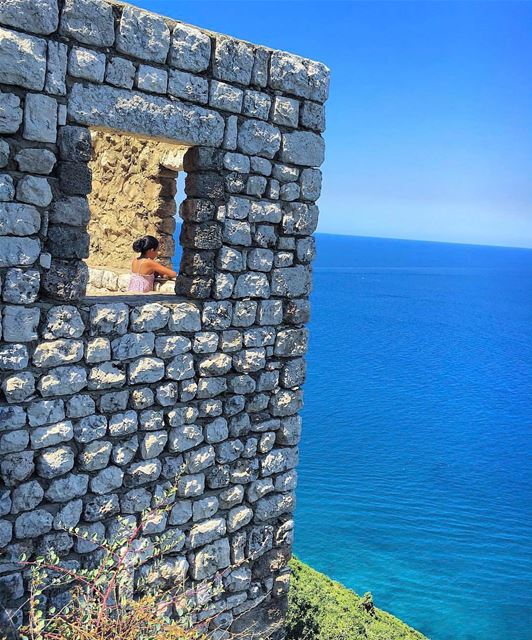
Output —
(321, 609)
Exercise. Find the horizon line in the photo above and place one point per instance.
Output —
(473, 244)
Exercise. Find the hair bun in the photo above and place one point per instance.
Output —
(141, 245)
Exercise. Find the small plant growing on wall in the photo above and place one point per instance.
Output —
(132, 592)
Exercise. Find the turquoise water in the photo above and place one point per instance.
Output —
(415, 476)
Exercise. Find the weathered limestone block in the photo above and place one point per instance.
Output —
(252, 285)
(33, 524)
(55, 462)
(20, 323)
(4, 145)
(13, 357)
(22, 59)
(18, 219)
(40, 118)
(86, 64)
(143, 35)
(146, 370)
(210, 559)
(285, 111)
(245, 312)
(34, 190)
(304, 148)
(62, 381)
(312, 116)
(286, 403)
(66, 280)
(120, 72)
(258, 138)
(45, 411)
(88, 21)
(292, 74)
(237, 232)
(95, 455)
(149, 317)
(63, 321)
(257, 104)
(35, 160)
(148, 115)
(291, 281)
(152, 79)
(7, 188)
(181, 367)
(289, 191)
(310, 184)
(10, 112)
(36, 16)
(190, 49)
(132, 345)
(52, 434)
(109, 318)
(14, 441)
(56, 352)
(265, 211)
(299, 219)
(106, 376)
(274, 506)
(233, 60)
(188, 86)
(206, 532)
(279, 460)
(56, 68)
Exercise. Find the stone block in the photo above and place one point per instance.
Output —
(312, 116)
(88, 21)
(67, 242)
(120, 72)
(86, 64)
(132, 345)
(152, 79)
(55, 462)
(7, 188)
(4, 145)
(285, 111)
(35, 161)
(63, 321)
(259, 73)
(258, 138)
(95, 455)
(109, 318)
(265, 211)
(40, 118)
(63, 381)
(190, 49)
(252, 285)
(66, 279)
(226, 97)
(10, 112)
(303, 147)
(34, 190)
(256, 186)
(36, 16)
(57, 68)
(33, 524)
(233, 60)
(289, 191)
(300, 219)
(52, 434)
(286, 403)
(107, 480)
(237, 232)
(56, 352)
(22, 60)
(188, 86)
(299, 76)
(181, 367)
(148, 115)
(45, 412)
(210, 559)
(230, 134)
(75, 144)
(143, 35)
(75, 178)
(257, 105)
(14, 441)
(20, 220)
(13, 357)
(20, 323)
(274, 506)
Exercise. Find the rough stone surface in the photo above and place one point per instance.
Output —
(22, 59)
(106, 402)
(88, 21)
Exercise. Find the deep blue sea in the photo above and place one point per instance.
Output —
(415, 473)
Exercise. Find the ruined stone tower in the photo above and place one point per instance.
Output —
(106, 400)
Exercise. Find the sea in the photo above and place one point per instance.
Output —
(415, 477)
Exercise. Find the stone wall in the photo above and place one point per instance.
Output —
(102, 402)
(133, 190)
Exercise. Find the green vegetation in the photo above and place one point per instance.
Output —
(321, 609)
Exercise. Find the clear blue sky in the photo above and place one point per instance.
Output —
(429, 120)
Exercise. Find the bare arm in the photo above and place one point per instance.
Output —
(162, 270)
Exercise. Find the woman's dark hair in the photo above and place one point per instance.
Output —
(145, 244)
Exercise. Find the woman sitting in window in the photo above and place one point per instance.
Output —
(145, 267)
